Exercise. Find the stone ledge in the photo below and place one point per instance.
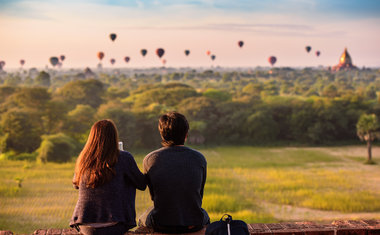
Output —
(340, 227)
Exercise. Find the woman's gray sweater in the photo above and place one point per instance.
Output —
(113, 201)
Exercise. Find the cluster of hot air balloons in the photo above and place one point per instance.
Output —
(159, 52)
(56, 61)
(213, 57)
(308, 49)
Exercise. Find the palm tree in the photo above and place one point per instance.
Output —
(367, 130)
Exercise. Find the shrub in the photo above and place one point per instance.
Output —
(56, 148)
(11, 155)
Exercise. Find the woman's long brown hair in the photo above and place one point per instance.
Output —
(95, 163)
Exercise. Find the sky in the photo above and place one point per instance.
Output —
(35, 30)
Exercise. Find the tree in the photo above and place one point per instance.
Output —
(13, 80)
(35, 98)
(79, 122)
(56, 148)
(217, 95)
(261, 127)
(88, 92)
(43, 79)
(367, 130)
(124, 120)
(6, 91)
(21, 132)
(169, 95)
(330, 91)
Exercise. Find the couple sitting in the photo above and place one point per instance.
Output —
(107, 180)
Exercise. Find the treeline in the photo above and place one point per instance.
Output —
(48, 115)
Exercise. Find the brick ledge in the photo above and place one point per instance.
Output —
(340, 227)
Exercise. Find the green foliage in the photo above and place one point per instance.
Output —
(12, 80)
(169, 95)
(217, 95)
(87, 92)
(21, 132)
(11, 155)
(253, 89)
(330, 91)
(6, 91)
(43, 79)
(125, 122)
(367, 126)
(296, 106)
(31, 98)
(56, 148)
(261, 127)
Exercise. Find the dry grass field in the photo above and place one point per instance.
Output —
(253, 184)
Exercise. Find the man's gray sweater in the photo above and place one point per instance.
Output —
(176, 178)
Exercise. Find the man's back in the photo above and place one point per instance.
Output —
(176, 179)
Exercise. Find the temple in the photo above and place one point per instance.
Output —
(345, 62)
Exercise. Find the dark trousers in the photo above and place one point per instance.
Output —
(117, 229)
(146, 220)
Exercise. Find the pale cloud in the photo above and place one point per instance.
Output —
(140, 4)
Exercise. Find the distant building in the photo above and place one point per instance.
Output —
(345, 62)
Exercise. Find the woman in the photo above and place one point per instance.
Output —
(107, 180)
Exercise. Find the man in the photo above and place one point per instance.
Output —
(176, 178)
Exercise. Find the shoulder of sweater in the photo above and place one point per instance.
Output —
(152, 155)
(125, 156)
(123, 153)
(199, 154)
(155, 153)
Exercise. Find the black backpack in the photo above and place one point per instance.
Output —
(227, 226)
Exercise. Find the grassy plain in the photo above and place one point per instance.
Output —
(253, 184)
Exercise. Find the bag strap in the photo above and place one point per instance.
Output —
(228, 220)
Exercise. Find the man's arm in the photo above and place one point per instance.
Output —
(134, 174)
(146, 168)
(203, 179)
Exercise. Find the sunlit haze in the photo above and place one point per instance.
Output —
(35, 30)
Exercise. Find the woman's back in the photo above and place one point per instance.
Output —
(115, 200)
(107, 179)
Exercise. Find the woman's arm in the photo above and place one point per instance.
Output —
(134, 174)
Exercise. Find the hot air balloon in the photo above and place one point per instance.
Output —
(112, 61)
(54, 61)
(2, 64)
(213, 57)
(143, 52)
(22, 62)
(208, 52)
(317, 53)
(187, 52)
(127, 59)
(308, 48)
(100, 55)
(240, 43)
(164, 62)
(160, 52)
(62, 57)
(113, 36)
(272, 60)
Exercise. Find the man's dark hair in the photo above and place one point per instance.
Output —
(173, 128)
